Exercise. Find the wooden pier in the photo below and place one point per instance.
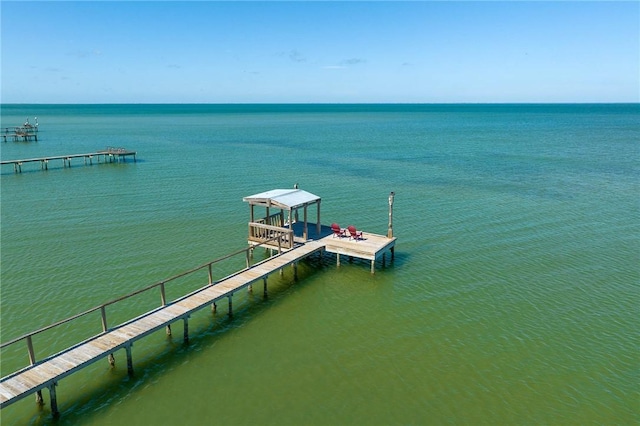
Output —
(109, 155)
(47, 372)
(25, 133)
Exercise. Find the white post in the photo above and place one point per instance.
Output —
(390, 229)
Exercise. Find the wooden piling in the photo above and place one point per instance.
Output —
(54, 400)
(129, 360)
(186, 329)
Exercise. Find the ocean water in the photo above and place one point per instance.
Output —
(512, 299)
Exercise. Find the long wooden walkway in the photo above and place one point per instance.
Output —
(47, 373)
(109, 155)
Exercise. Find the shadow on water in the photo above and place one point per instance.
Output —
(163, 354)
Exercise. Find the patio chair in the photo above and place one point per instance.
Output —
(337, 231)
(353, 233)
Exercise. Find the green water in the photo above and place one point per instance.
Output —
(512, 299)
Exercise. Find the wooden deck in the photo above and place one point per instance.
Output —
(49, 371)
(109, 155)
(370, 247)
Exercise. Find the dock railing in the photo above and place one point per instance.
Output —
(262, 233)
(160, 286)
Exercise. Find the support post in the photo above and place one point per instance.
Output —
(230, 305)
(32, 360)
(129, 361)
(264, 283)
(103, 314)
(32, 356)
(305, 233)
(186, 329)
(338, 259)
(210, 275)
(163, 299)
(112, 360)
(54, 400)
(163, 296)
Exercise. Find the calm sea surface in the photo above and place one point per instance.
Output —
(513, 297)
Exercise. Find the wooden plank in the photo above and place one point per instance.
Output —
(5, 394)
(31, 379)
(81, 354)
(16, 385)
(150, 322)
(62, 363)
(176, 310)
(50, 368)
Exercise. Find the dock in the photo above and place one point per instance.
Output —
(108, 155)
(25, 133)
(46, 373)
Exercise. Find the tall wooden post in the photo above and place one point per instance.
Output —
(390, 229)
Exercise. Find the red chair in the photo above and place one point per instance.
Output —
(356, 235)
(337, 231)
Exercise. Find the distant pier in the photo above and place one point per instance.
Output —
(25, 133)
(109, 155)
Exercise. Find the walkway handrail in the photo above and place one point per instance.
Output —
(262, 233)
(102, 307)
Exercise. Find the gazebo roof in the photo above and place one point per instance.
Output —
(283, 198)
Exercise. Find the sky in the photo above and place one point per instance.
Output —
(319, 52)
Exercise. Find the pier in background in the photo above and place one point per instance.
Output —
(109, 155)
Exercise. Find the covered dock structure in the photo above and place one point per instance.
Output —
(281, 209)
(286, 224)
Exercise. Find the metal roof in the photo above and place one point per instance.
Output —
(283, 198)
